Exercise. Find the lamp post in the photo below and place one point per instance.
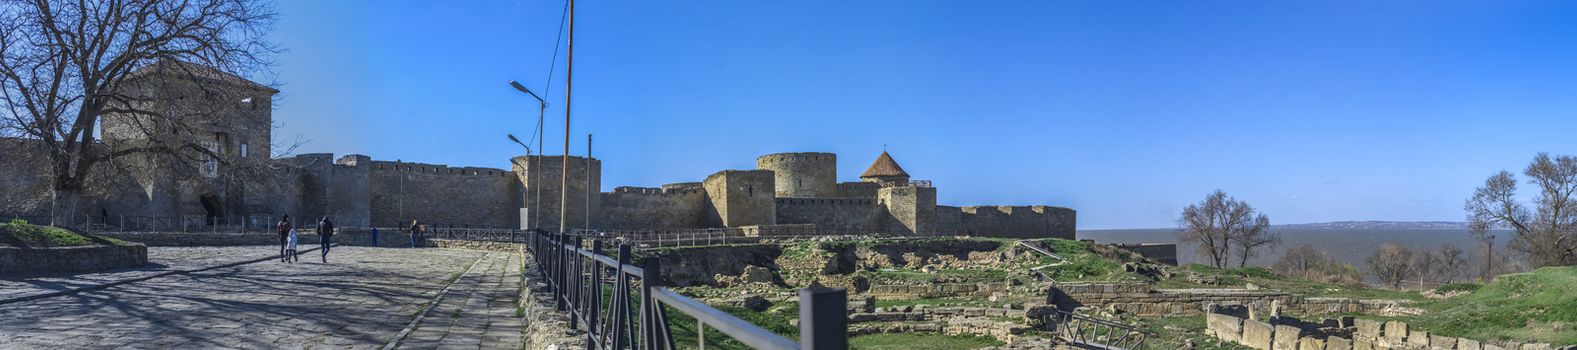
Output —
(529, 201)
(536, 169)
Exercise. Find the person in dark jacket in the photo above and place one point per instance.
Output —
(284, 235)
(326, 234)
(416, 233)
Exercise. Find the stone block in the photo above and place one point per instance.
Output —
(1363, 344)
(1338, 343)
(1367, 329)
(1440, 342)
(1395, 329)
(1286, 337)
(1310, 343)
(1257, 334)
(1418, 338)
(1225, 327)
(1537, 346)
(1469, 344)
(1491, 346)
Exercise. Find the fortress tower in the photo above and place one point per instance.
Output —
(550, 186)
(802, 175)
(885, 170)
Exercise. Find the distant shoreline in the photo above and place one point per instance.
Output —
(1347, 225)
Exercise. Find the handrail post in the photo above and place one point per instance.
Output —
(558, 272)
(596, 295)
(575, 296)
(621, 295)
(651, 278)
(823, 319)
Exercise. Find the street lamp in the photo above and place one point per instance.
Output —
(536, 169)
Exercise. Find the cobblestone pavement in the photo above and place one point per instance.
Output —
(477, 312)
(361, 299)
(160, 260)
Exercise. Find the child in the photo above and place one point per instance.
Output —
(290, 247)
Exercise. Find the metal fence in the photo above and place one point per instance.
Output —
(476, 234)
(705, 237)
(578, 278)
(190, 223)
(1094, 333)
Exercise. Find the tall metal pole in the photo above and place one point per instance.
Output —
(569, 78)
(588, 181)
(536, 183)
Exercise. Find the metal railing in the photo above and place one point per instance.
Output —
(475, 234)
(1094, 333)
(186, 223)
(650, 239)
(578, 277)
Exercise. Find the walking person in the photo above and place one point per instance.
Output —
(416, 233)
(284, 232)
(375, 236)
(326, 233)
(290, 247)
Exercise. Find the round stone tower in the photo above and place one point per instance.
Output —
(804, 174)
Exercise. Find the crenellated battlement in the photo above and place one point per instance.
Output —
(826, 200)
(796, 156)
(656, 190)
(437, 169)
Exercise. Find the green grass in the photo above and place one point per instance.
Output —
(915, 341)
(775, 319)
(1236, 277)
(20, 234)
(1180, 331)
(1084, 263)
(1459, 287)
(1539, 306)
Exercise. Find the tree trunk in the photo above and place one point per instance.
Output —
(63, 205)
(1489, 260)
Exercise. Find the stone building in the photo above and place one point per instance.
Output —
(239, 181)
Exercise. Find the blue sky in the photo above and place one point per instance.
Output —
(1124, 111)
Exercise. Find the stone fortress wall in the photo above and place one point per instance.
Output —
(358, 191)
(802, 174)
(844, 214)
(430, 192)
(644, 208)
(551, 178)
(788, 189)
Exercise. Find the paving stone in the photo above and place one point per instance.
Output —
(361, 299)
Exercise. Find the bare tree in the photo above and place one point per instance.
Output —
(1311, 264)
(1252, 238)
(1301, 262)
(1392, 264)
(1451, 262)
(1220, 222)
(1424, 264)
(1546, 235)
(65, 64)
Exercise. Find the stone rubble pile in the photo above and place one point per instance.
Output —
(1279, 333)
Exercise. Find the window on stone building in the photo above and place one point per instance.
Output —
(243, 150)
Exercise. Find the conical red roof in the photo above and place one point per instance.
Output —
(884, 166)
